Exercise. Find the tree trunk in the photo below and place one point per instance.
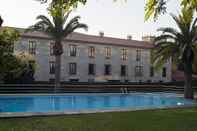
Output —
(1, 21)
(188, 91)
(58, 51)
(57, 71)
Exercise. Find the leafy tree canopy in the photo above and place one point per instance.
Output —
(154, 8)
(69, 3)
(13, 66)
(7, 38)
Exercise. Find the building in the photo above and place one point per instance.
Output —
(88, 58)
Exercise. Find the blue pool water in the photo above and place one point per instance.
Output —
(77, 102)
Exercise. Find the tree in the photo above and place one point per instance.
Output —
(12, 67)
(18, 68)
(179, 45)
(156, 7)
(7, 38)
(69, 3)
(25, 69)
(58, 29)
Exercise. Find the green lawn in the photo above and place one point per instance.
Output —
(155, 120)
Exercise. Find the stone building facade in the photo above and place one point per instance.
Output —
(88, 58)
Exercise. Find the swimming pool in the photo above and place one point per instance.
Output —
(78, 102)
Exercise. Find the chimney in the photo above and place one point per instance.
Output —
(129, 37)
(101, 34)
(148, 38)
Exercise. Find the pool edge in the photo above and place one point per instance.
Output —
(64, 113)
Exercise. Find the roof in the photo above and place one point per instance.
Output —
(84, 38)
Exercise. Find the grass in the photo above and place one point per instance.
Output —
(149, 120)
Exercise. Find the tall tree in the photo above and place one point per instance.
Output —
(180, 45)
(58, 29)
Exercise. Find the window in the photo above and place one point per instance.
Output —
(138, 55)
(73, 50)
(32, 47)
(51, 80)
(164, 72)
(72, 68)
(138, 71)
(107, 52)
(124, 54)
(107, 69)
(151, 71)
(91, 51)
(52, 48)
(123, 70)
(91, 69)
(52, 67)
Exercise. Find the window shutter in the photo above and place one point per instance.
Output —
(68, 50)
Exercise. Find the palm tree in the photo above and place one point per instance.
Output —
(180, 45)
(58, 29)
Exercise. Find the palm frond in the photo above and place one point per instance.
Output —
(73, 25)
(45, 19)
(193, 33)
(194, 23)
(74, 20)
(180, 22)
(164, 38)
(36, 27)
(43, 25)
(164, 44)
(66, 17)
(169, 31)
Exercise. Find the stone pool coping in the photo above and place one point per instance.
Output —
(79, 112)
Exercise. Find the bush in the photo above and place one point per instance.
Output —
(20, 69)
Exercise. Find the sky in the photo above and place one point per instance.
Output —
(116, 19)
